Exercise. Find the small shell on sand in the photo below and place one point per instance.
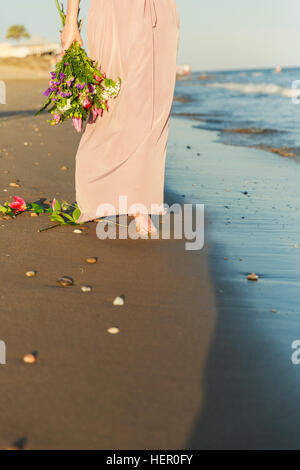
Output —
(64, 168)
(31, 273)
(113, 330)
(119, 301)
(77, 230)
(33, 214)
(29, 358)
(14, 185)
(86, 288)
(65, 281)
(252, 277)
(91, 260)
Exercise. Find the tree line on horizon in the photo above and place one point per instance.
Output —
(17, 32)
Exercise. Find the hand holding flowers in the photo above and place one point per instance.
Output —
(77, 88)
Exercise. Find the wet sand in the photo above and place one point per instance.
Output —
(139, 389)
(253, 213)
(201, 361)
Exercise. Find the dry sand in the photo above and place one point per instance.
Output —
(32, 67)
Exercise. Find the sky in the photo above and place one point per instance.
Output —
(214, 34)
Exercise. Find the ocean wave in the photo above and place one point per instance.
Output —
(257, 88)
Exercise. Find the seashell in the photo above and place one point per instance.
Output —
(252, 277)
(31, 273)
(33, 214)
(120, 300)
(64, 168)
(86, 288)
(113, 330)
(14, 185)
(65, 281)
(77, 230)
(30, 358)
(91, 260)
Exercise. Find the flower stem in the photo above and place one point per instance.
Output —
(48, 228)
(61, 14)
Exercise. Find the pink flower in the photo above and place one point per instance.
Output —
(56, 118)
(98, 78)
(86, 103)
(77, 123)
(95, 112)
(53, 204)
(19, 205)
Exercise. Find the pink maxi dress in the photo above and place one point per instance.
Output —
(123, 153)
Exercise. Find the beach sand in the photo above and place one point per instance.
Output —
(201, 361)
(27, 68)
(139, 389)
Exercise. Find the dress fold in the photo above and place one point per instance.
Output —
(123, 152)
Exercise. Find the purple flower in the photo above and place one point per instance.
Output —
(81, 86)
(47, 92)
(91, 88)
(53, 75)
(62, 76)
(66, 64)
(70, 81)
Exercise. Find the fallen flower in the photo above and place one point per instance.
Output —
(19, 205)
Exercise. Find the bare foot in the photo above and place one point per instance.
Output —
(144, 224)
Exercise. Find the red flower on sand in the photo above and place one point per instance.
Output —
(19, 205)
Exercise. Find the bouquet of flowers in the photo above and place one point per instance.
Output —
(78, 89)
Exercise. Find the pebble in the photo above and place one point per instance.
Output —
(86, 288)
(119, 301)
(274, 310)
(91, 260)
(31, 273)
(65, 281)
(77, 230)
(30, 358)
(14, 185)
(33, 214)
(253, 277)
(64, 168)
(113, 330)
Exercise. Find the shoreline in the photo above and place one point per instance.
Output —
(250, 381)
(201, 361)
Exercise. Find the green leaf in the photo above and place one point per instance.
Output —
(76, 214)
(57, 218)
(3, 209)
(68, 216)
(57, 207)
(37, 208)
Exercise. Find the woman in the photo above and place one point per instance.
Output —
(123, 152)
